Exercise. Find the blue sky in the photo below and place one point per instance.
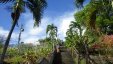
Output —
(58, 12)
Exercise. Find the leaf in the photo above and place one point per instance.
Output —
(6, 1)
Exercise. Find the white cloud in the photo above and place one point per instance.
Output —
(31, 34)
(65, 22)
(4, 33)
(32, 30)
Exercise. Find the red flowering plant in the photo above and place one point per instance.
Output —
(95, 48)
(107, 40)
(105, 45)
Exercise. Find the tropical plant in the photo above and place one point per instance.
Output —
(30, 58)
(51, 30)
(96, 17)
(78, 41)
(35, 6)
(15, 60)
(73, 39)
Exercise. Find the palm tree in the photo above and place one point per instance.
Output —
(74, 26)
(75, 30)
(35, 6)
(51, 30)
(77, 41)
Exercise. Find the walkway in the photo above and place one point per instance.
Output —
(63, 58)
(66, 58)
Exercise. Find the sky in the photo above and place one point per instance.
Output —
(58, 12)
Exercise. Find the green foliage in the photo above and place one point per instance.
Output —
(15, 60)
(2, 39)
(96, 15)
(52, 31)
(79, 3)
(12, 52)
(26, 48)
(30, 57)
(44, 52)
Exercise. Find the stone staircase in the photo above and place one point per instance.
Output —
(66, 56)
(62, 57)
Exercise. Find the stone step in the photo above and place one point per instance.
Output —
(66, 58)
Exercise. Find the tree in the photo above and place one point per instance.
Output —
(51, 30)
(95, 9)
(74, 38)
(96, 16)
(35, 6)
(78, 41)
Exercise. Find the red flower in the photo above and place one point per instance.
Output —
(96, 46)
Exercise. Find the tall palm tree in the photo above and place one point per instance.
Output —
(36, 7)
(76, 33)
(51, 30)
(77, 41)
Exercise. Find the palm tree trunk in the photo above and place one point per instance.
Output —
(7, 42)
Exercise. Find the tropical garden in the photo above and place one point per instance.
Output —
(89, 38)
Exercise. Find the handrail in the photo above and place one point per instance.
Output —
(52, 58)
(43, 61)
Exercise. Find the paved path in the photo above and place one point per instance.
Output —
(63, 58)
(66, 58)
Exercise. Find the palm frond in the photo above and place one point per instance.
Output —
(6, 1)
(79, 3)
(48, 28)
(74, 25)
(17, 9)
(51, 30)
(36, 7)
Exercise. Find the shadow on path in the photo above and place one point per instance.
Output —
(57, 58)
